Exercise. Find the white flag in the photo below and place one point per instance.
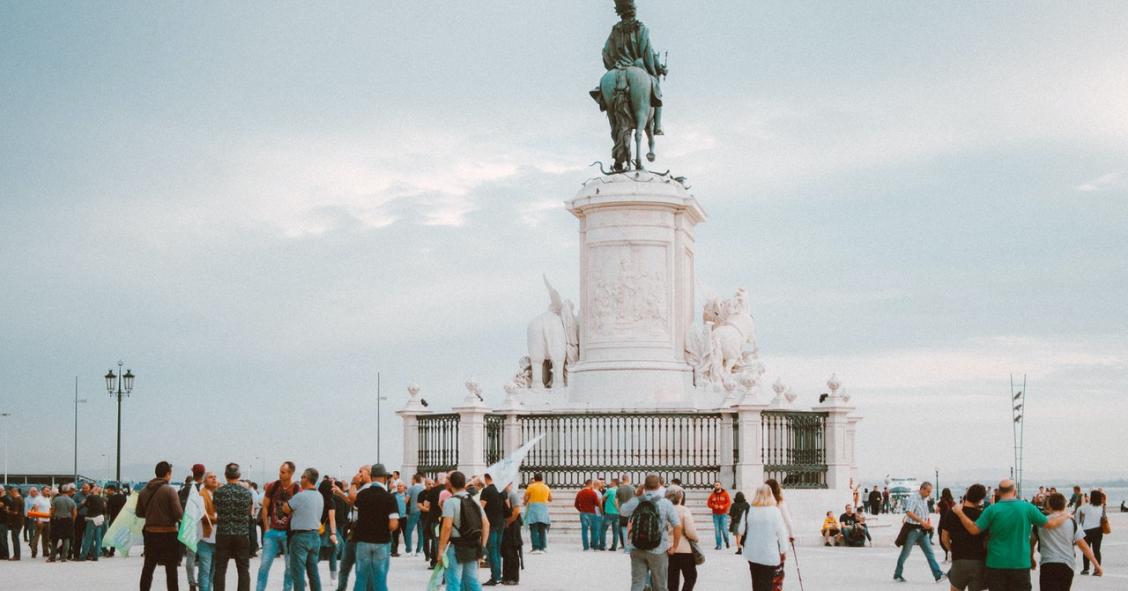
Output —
(507, 470)
(189, 533)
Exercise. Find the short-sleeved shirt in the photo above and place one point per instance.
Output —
(376, 507)
(964, 545)
(587, 501)
(63, 506)
(624, 493)
(538, 492)
(305, 510)
(513, 501)
(233, 505)
(279, 494)
(1008, 527)
(401, 502)
(1056, 545)
(431, 495)
(79, 498)
(495, 506)
(413, 497)
(453, 509)
(666, 513)
(609, 497)
(918, 506)
(848, 519)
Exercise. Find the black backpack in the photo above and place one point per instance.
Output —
(468, 544)
(646, 526)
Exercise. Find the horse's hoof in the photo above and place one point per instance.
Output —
(638, 164)
(650, 156)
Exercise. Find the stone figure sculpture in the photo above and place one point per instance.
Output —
(724, 348)
(554, 342)
(630, 91)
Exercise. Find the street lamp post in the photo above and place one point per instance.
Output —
(379, 418)
(4, 415)
(124, 385)
(77, 401)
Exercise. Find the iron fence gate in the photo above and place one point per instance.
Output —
(438, 443)
(495, 439)
(794, 448)
(577, 447)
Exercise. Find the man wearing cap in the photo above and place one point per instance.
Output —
(377, 517)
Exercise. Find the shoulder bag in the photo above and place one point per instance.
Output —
(1106, 527)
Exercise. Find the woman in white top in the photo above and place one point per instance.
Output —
(777, 492)
(765, 546)
(1089, 520)
(681, 561)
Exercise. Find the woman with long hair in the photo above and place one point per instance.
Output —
(765, 546)
(945, 505)
(777, 493)
(681, 564)
(1089, 520)
(736, 516)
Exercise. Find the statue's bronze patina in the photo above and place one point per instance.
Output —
(629, 91)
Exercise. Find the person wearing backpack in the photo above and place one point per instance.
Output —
(651, 523)
(465, 531)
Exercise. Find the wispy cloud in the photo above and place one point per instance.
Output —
(1104, 182)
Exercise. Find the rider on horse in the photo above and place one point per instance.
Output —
(629, 45)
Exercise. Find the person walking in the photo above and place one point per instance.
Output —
(1008, 524)
(537, 498)
(682, 566)
(304, 543)
(1055, 546)
(40, 505)
(1089, 519)
(205, 547)
(275, 524)
(463, 537)
(493, 503)
(969, 553)
(586, 503)
(943, 507)
(611, 516)
(159, 505)
(762, 540)
(378, 515)
(234, 516)
(719, 503)
(875, 501)
(920, 524)
(886, 505)
(736, 516)
(654, 531)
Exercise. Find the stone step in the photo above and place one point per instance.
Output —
(566, 520)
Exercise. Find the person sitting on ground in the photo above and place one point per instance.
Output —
(830, 529)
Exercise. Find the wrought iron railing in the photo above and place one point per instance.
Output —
(794, 448)
(495, 438)
(580, 446)
(438, 443)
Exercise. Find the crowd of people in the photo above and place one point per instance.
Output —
(465, 524)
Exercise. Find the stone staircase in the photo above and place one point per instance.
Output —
(566, 520)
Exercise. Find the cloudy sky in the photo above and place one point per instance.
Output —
(259, 206)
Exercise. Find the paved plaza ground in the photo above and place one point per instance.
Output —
(567, 567)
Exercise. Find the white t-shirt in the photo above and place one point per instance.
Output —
(1089, 516)
(41, 504)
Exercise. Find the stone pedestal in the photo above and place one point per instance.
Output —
(636, 284)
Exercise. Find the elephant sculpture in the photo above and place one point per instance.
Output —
(553, 339)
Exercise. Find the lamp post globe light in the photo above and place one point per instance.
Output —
(119, 385)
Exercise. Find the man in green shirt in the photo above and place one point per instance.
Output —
(1009, 524)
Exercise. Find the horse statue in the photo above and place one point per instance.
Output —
(733, 331)
(629, 91)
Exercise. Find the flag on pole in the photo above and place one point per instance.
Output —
(189, 533)
(125, 531)
(508, 470)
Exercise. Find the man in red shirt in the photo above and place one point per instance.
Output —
(719, 502)
(587, 503)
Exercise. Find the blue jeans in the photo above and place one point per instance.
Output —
(205, 554)
(304, 549)
(273, 541)
(348, 559)
(412, 526)
(493, 550)
(610, 521)
(325, 543)
(538, 535)
(720, 530)
(461, 576)
(372, 564)
(917, 537)
(91, 541)
(589, 527)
